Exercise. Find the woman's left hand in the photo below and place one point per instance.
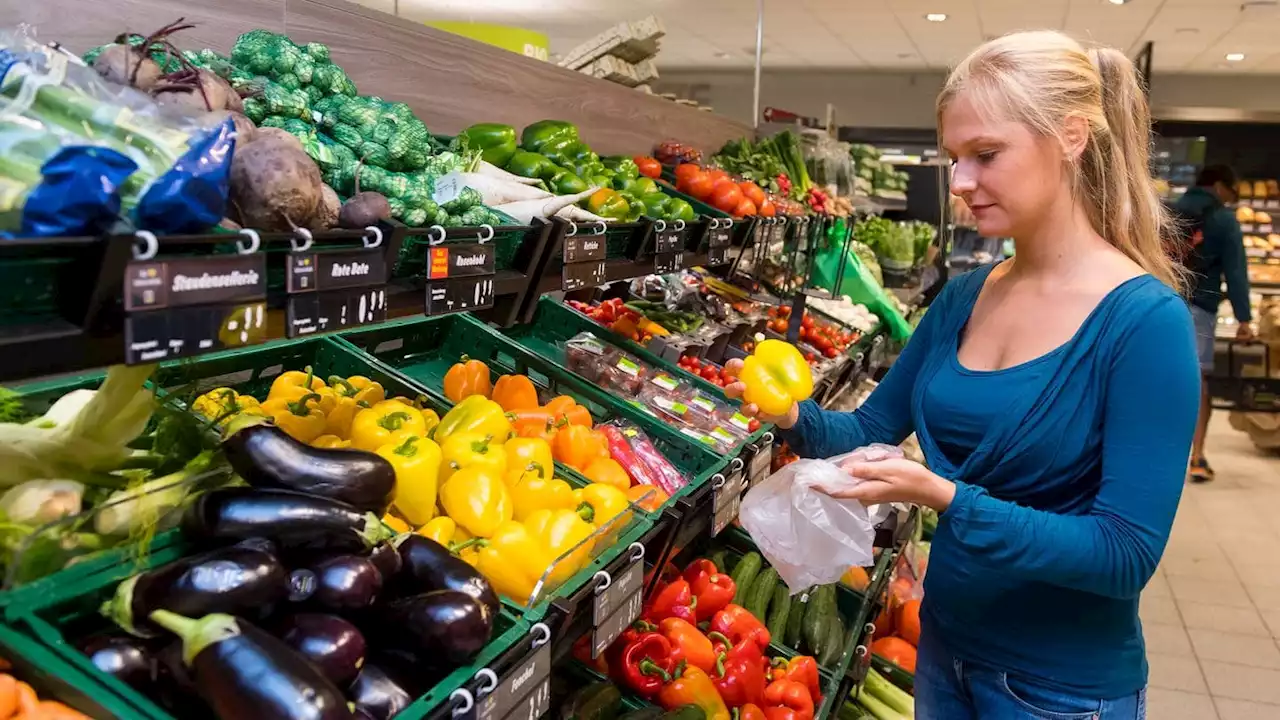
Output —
(898, 480)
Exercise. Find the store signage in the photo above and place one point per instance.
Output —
(669, 240)
(718, 256)
(581, 275)
(664, 263)
(319, 271)
(617, 606)
(760, 464)
(321, 312)
(460, 278)
(584, 248)
(719, 237)
(177, 282)
(523, 692)
(179, 332)
(726, 500)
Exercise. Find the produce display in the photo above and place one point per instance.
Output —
(18, 700)
(826, 338)
(715, 187)
(776, 163)
(875, 177)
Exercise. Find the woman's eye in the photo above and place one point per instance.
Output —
(986, 157)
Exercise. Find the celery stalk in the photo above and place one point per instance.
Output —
(877, 708)
(890, 694)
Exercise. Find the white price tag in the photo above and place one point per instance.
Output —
(447, 188)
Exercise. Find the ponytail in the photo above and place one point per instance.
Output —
(1041, 77)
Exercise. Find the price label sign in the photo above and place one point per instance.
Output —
(1273, 205)
(460, 278)
(334, 310)
(1247, 228)
(1264, 228)
(320, 271)
(581, 275)
(1256, 252)
(761, 462)
(719, 237)
(619, 592)
(718, 256)
(603, 635)
(668, 241)
(726, 501)
(664, 263)
(181, 307)
(523, 693)
(584, 248)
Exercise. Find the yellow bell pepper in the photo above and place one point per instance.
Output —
(475, 414)
(464, 450)
(528, 456)
(535, 493)
(512, 560)
(358, 388)
(218, 404)
(417, 464)
(599, 503)
(293, 385)
(441, 529)
(776, 376)
(388, 421)
(338, 420)
(563, 533)
(395, 523)
(331, 442)
(302, 420)
(477, 500)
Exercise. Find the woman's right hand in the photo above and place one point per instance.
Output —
(734, 390)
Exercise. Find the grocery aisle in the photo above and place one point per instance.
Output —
(1212, 612)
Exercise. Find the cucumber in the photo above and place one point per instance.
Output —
(816, 621)
(597, 701)
(744, 574)
(795, 618)
(835, 642)
(686, 712)
(779, 609)
(648, 713)
(721, 560)
(757, 600)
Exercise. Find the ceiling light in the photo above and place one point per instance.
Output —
(1117, 2)
(1235, 57)
(936, 17)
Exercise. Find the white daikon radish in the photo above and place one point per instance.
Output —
(527, 210)
(499, 192)
(494, 171)
(578, 215)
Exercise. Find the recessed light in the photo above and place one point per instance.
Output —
(936, 17)
(1235, 57)
(1117, 2)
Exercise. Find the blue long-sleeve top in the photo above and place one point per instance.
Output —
(1068, 471)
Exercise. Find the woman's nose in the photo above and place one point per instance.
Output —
(963, 180)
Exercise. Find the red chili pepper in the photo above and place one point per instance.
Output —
(738, 624)
(740, 681)
(790, 696)
(714, 593)
(673, 601)
(620, 450)
(646, 664)
(802, 669)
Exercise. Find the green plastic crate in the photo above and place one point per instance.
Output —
(741, 226)
(69, 611)
(423, 350)
(508, 239)
(54, 679)
(554, 323)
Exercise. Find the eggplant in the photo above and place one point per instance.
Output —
(427, 565)
(386, 558)
(294, 519)
(242, 672)
(236, 579)
(441, 626)
(124, 658)
(340, 582)
(266, 457)
(331, 643)
(377, 695)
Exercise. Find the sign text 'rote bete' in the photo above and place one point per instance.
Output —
(335, 270)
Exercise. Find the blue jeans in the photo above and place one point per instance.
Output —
(947, 688)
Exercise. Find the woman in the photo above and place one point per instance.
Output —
(1054, 395)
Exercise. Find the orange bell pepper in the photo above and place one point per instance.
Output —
(647, 497)
(568, 409)
(607, 471)
(531, 422)
(515, 392)
(575, 446)
(466, 378)
(691, 686)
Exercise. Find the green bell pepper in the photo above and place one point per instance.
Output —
(496, 142)
(635, 208)
(544, 132)
(645, 186)
(624, 184)
(608, 204)
(656, 203)
(529, 164)
(565, 182)
(580, 152)
(622, 166)
(678, 209)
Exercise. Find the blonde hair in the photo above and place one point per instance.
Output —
(1039, 78)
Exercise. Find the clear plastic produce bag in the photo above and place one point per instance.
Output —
(809, 537)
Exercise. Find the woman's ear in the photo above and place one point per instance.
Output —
(1075, 136)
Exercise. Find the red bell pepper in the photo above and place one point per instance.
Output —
(699, 568)
(750, 712)
(691, 686)
(688, 644)
(714, 592)
(787, 698)
(737, 624)
(746, 649)
(740, 680)
(675, 600)
(582, 653)
(612, 656)
(668, 574)
(802, 669)
(645, 664)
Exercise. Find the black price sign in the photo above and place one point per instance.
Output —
(523, 693)
(460, 260)
(180, 282)
(185, 331)
(718, 256)
(334, 310)
(581, 275)
(720, 235)
(760, 463)
(459, 294)
(624, 585)
(584, 248)
(312, 271)
(664, 263)
(603, 635)
(667, 241)
(726, 500)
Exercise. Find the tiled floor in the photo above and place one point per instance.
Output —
(1211, 614)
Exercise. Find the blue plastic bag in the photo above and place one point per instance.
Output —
(192, 196)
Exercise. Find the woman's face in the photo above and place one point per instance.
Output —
(1009, 176)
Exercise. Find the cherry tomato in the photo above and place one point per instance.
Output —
(753, 426)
